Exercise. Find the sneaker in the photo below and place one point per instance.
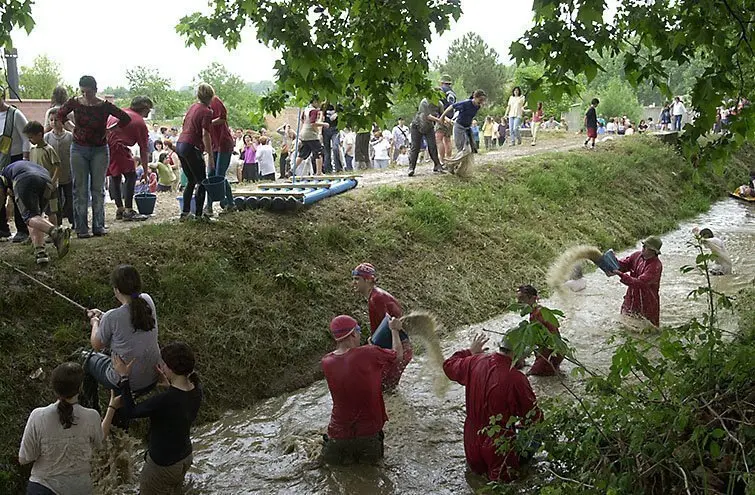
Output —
(100, 233)
(132, 216)
(4, 236)
(119, 215)
(20, 237)
(411, 173)
(439, 171)
(84, 235)
(61, 237)
(205, 219)
(42, 258)
(185, 216)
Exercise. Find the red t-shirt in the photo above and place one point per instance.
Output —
(380, 303)
(222, 140)
(354, 380)
(536, 315)
(198, 117)
(91, 121)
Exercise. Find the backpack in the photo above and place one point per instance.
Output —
(6, 139)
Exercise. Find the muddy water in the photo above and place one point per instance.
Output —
(267, 449)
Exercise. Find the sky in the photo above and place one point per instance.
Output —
(104, 38)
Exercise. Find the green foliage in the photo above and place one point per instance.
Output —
(240, 100)
(617, 98)
(474, 65)
(654, 38)
(15, 14)
(353, 52)
(148, 81)
(39, 80)
(530, 78)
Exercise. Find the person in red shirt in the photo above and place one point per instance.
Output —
(222, 149)
(382, 305)
(122, 165)
(493, 386)
(546, 361)
(193, 142)
(354, 375)
(641, 273)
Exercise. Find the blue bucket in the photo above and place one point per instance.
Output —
(382, 336)
(215, 187)
(180, 200)
(145, 203)
(608, 262)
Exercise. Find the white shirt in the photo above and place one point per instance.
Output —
(403, 159)
(678, 108)
(265, 159)
(19, 142)
(381, 148)
(610, 127)
(720, 253)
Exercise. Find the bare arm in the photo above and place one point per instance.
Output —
(207, 142)
(395, 325)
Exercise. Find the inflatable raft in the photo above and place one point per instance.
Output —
(280, 196)
(735, 194)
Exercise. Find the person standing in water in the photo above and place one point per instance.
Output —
(493, 386)
(354, 376)
(722, 260)
(641, 273)
(546, 361)
(382, 305)
(60, 438)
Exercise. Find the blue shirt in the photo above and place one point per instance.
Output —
(467, 111)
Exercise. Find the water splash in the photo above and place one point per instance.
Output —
(561, 269)
(424, 326)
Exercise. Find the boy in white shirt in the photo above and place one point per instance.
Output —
(403, 157)
(381, 146)
(266, 159)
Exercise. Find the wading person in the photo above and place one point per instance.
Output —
(515, 111)
(721, 259)
(546, 361)
(89, 154)
(171, 414)
(354, 374)
(222, 149)
(591, 123)
(463, 139)
(122, 168)
(193, 142)
(31, 187)
(60, 438)
(129, 331)
(382, 305)
(14, 146)
(422, 128)
(444, 129)
(641, 273)
(492, 387)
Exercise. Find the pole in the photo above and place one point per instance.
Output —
(79, 306)
(296, 151)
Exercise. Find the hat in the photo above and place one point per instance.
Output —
(364, 270)
(342, 326)
(653, 243)
(446, 79)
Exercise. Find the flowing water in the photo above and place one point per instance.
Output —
(267, 449)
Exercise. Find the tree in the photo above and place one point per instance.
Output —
(147, 81)
(617, 98)
(240, 100)
(569, 37)
(528, 78)
(474, 64)
(357, 53)
(39, 80)
(14, 13)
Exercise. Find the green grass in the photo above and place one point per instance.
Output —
(253, 294)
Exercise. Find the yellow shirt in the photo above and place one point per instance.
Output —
(46, 156)
(488, 128)
(515, 107)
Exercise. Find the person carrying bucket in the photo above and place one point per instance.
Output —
(641, 273)
(382, 307)
(354, 375)
(546, 361)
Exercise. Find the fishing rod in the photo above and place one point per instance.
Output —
(67, 299)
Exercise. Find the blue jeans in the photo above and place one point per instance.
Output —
(331, 142)
(514, 132)
(88, 165)
(677, 122)
(222, 162)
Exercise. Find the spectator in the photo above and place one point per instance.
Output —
(12, 123)
(266, 159)
(61, 139)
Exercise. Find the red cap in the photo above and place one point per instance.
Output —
(342, 326)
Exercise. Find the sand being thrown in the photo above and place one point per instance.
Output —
(423, 326)
(561, 269)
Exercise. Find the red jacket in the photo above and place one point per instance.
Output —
(643, 279)
(492, 387)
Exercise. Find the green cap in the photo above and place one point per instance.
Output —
(446, 79)
(653, 243)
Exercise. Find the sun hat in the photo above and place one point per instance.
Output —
(653, 243)
(342, 326)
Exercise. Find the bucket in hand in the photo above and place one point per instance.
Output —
(180, 200)
(382, 336)
(145, 203)
(608, 262)
(215, 187)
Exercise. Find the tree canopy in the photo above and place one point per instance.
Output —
(39, 80)
(569, 38)
(357, 52)
(473, 65)
(14, 14)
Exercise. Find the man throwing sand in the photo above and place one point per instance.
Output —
(641, 273)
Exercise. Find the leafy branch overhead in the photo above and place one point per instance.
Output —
(359, 52)
(570, 38)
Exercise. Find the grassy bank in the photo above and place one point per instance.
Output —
(253, 294)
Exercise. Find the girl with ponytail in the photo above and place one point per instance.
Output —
(59, 438)
(171, 414)
(129, 331)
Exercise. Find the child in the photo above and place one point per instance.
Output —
(60, 139)
(165, 175)
(251, 167)
(45, 155)
(591, 122)
(142, 184)
(403, 157)
(381, 147)
(265, 159)
(152, 178)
